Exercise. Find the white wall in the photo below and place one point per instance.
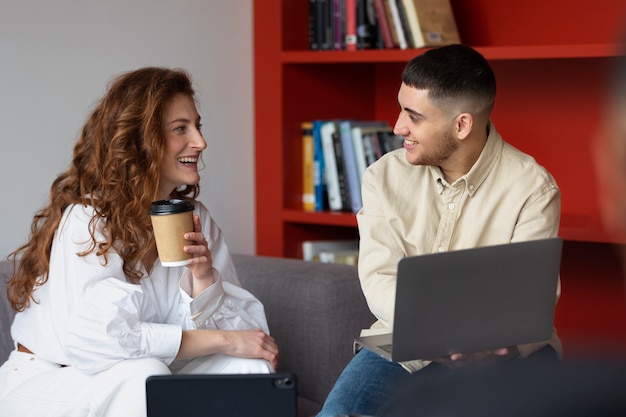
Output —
(56, 58)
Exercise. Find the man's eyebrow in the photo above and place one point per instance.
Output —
(412, 112)
(409, 110)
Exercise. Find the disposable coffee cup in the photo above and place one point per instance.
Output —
(171, 219)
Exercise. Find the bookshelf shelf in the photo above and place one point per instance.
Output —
(325, 218)
(490, 52)
(550, 69)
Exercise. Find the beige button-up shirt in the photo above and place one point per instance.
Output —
(411, 210)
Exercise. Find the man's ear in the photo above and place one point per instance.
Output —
(463, 125)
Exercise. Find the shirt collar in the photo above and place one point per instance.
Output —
(481, 168)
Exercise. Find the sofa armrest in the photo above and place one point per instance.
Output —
(6, 312)
(314, 311)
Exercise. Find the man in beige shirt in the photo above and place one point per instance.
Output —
(455, 185)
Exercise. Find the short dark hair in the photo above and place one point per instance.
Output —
(453, 72)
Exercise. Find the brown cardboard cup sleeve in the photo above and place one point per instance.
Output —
(171, 219)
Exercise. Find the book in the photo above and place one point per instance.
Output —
(350, 165)
(330, 166)
(368, 145)
(354, 129)
(314, 32)
(337, 24)
(319, 180)
(388, 141)
(350, 24)
(308, 167)
(397, 24)
(325, 22)
(311, 249)
(406, 28)
(367, 26)
(356, 133)
(391, 24)
(342, 175)
(383, 24)
(345, 257)
(432, 22)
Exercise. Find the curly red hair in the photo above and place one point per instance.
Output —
(115, 168)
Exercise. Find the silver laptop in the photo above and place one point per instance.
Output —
(241, 395)
(472, 300)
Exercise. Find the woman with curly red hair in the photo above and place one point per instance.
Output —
(96, 311)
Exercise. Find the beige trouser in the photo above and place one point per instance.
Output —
(31, 387)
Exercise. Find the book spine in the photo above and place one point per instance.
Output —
(313, 28)
(391, 24)
(368, 148)
(338, 32)
(388, 141)
(367, 31)
(350, 19)
(341, 171)
(397, 24)
(411, 16)
(378, 150)
(383, 23)
(349, 159)
(330, 167)
(406, 28)
(325, 21)
(321, 196)
(384, 142)
(308, 183)
(359, 152)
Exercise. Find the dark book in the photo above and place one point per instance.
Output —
(388, 141)
(342, 176)
(315, 32)
(338, 25)
(328, 25)
(383, 23)
(367, 31)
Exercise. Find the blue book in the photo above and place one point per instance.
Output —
(321, 198)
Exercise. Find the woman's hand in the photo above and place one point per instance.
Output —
(251, 344)
(201, 263)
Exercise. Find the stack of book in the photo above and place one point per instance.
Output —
(334, 158)
(380, 24)
(331, 251)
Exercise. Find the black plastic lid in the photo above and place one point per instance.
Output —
(171, 206)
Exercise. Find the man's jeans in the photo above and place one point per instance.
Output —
(364, 386)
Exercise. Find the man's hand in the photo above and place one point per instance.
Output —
(484, 358)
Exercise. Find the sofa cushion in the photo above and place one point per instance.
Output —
(314, 311)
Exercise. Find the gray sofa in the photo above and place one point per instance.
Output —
(314, 311)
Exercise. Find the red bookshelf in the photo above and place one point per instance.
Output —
(550, 66)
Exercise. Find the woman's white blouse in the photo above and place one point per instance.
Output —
(89, 316)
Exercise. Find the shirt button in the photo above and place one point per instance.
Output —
(451, 206)
(441, 249)
(471, 187)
